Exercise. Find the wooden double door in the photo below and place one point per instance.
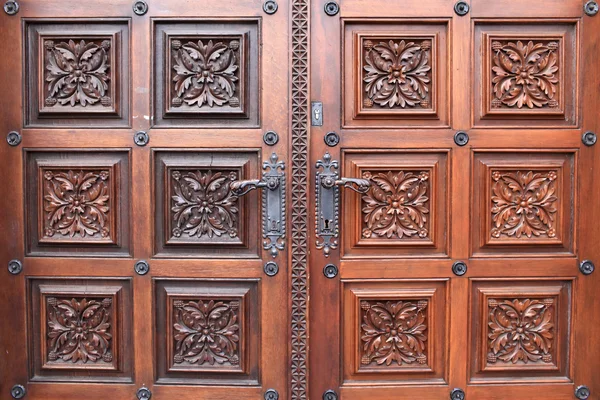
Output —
(299, 199)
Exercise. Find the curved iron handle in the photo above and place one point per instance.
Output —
(240, 188)
(273, 202)
(358, 185)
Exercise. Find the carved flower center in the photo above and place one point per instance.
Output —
(396, 74)
(524, 74)
(76, 204)
(395, 204)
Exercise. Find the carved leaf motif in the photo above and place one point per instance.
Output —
(77, 73)
(396, 205)
(206, 332)
(524, 74)
(203, 204)
(524, 203)
(206, 74)
(76, 203)
(398, 73)
(79, 330)
(521, 330)
(393, 332)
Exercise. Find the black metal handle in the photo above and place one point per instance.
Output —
(273, 202)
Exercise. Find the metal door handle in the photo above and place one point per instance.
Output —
(327, 203)
(273, 202)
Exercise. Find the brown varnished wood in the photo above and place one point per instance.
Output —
(449, 326)
(87, 140)
(503, 270)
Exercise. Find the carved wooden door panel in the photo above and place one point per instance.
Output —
(459, 270)
(139, 265)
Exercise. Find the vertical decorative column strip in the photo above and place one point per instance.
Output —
(299, 215)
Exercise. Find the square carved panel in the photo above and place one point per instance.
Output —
(196, 212)
(207, 74)
(525, 203)
(404, 212)
(521, 329)
(526, 73)
(80, 330)
(205, 332)
(394, 331)
(77, 203)
(395, 74)
(78, 74)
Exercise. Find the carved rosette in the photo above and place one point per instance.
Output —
(524, 204)
(206, 72)
(397, 205)
(203, 205)
(206, 332)
(76, 204)
(397, 73)
(79, 330)
(521, 330)
(393, 332)
(77, 72)
(525, 74)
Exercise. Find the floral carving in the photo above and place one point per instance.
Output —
(203, 204)
(206, 73)
(393, 332)
(520, 330)
(76, 203)
(77, 73)
(396, 205)
(397, 73)
(206, 332)
(79, 329)
(524, 74)
(524, 203)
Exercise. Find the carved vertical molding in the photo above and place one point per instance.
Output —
(299, 226)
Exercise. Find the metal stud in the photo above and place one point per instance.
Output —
(457, 394)
(330, 395)
(270, 7)
(461, 8)
(270, 138)
(140, 7)
(143, 393)
(461, 138)
(589, 138)
(587, 267)
(271, 268)
(330, 271)
(11, 7)
(591, 8)
(14, 138)
(582, 392)
(141, 267)
(332, 8)
(141, 138)
(271, 394)
(18, 391)
(15, 267)
(459, 268)
(332, 139)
